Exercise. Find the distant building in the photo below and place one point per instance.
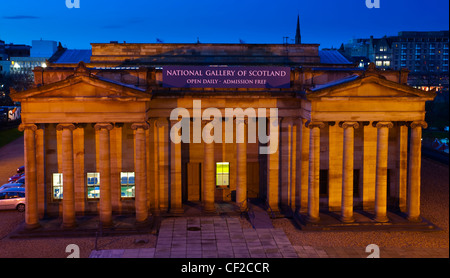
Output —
(11, 50)
(424, 54)
(41, 50)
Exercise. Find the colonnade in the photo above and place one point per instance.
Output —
(306, 156)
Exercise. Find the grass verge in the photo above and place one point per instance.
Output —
(9, 135)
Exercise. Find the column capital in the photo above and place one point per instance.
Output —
(71, 127)
(162, 122)
(136, 126)
(152, 121)
(100, 126)
(32, 127)
(421, 124)
(313, 124)
(345, 125)
(382, 124)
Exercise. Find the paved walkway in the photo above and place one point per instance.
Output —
(210, 237)
(224, 237)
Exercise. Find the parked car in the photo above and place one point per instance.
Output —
(21, 180)
(21, 169)
(12, 185)
(12, 198)
(16, 177)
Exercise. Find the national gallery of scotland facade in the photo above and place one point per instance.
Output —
(146, 129)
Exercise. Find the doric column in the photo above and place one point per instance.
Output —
(314, 170)
(31, 205)
(347, 171)
(105, 173)
(176, 206)
(153, 166)
(241, 163)
(415, 155)
(140, 169)
(209, 170)
(68, 175)
(381, 171)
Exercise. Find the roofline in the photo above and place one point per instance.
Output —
(209, 44)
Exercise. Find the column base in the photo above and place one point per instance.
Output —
(68, 226)
(143, 223)
(176, 211)
(347, 219)
(415, 219)
(32, 226)
(209, 208)
(381, 219)
(312, 219)
(106, 224)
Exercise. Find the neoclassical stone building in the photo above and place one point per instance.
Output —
(97, 135)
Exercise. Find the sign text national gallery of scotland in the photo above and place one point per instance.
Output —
(226, 77)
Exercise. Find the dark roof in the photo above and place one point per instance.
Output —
(72, 56)
(333, 57)
(336, 82)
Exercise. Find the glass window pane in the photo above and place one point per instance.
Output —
(57, 187)
(93, 185)
(222, 174)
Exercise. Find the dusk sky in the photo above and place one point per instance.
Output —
(327, 22)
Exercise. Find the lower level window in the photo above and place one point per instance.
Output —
(93, 185)
(57, 186)
(127, 184)
(222, 174)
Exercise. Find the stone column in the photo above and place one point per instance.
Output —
(335, 158)
(105, 173)
(273, 167)
(241, 164)
(209, 173)
(31, 205)
(163, 168)
(347, 171)
(68, 175)
(176, 206)
(314, 170)
(140, 169)
(304, 166)
(415, 155)
(152, 176)
(381, 171)
(402, 145)
(286, 162)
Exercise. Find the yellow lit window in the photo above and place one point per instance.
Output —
(223, 174)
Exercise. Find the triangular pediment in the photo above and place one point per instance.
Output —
(371, 86)
(80, 87)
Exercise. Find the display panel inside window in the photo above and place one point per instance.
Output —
(57, 186)
(127, 184)
(223, 174)
(93, 185)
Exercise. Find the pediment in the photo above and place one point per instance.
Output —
(368, 87)
(83, 87)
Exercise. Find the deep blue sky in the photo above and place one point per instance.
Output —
(327, 22)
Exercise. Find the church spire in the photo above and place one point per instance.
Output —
(298, 37)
